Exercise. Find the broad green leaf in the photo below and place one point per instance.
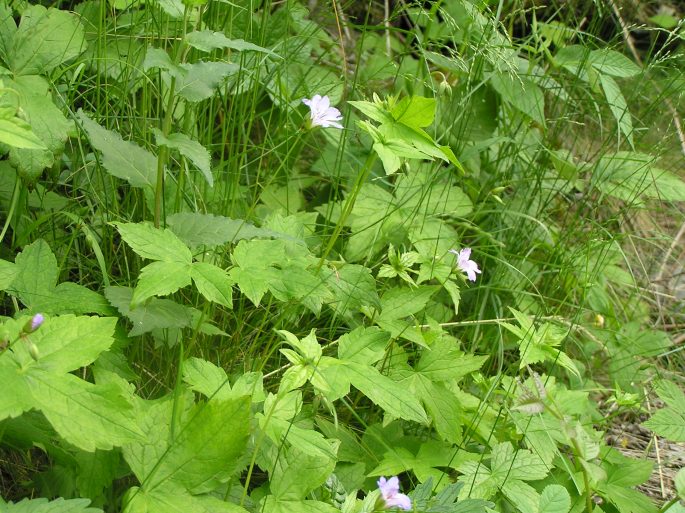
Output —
(426, 193)
(522, 94)
(631, 175)
(307, 440)
(207, 449)
(628, 500)
(45, 39)
(442, 406)
(213, 283)
(197, 229)
(18, 134)
(521, 494)
(197, 82)
(414, 111)
(66, 343)
(190, 149)
(35, 280)
(251, 282)
(668, 423)
(298, 473)
(85, 415)
(155, 314)
(372, 111)
(173, 8)
(272, 505)
(47, 122)
(43, 506)
(443, 361)
(401, 302)
(386, 393)
(610, 62)
(522, 464)
(363, 345)
(8, 272)
(206, 378)
(353, 288)
(618, 106)
(207, 40)
(19, 399)
(679, 483)
(120, 158)
(554, 499)
(160, 279)
(172, 499)
(154, 243)
(96, 471)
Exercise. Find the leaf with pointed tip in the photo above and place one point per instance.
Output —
(123, 159)
(154, 243)
(207, 40)
(190, 149)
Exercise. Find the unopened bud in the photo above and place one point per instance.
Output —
(34, 323)
(33, 351)
(445, 89)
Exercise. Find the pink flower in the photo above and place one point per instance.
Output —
(322, 114)
(390, 491)
(465, 264)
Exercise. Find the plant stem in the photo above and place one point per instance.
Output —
(348, 206)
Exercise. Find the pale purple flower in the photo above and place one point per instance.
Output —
(35, 323)
(322, 114)
(465, 263)
(390, 491)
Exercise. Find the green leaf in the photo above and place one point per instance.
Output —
(190, 149)
(160, 279)
(66, 343)
(679, 483)
(272, 505)
(554, 499)
(34, 285)
(8, 272)
(43, 506)
(207, 40)
(521, 464)
(47, 122)
(522, 94)
(213, 283)
(442, 406)
(120, 158)
(401, 302)
(609, 62)
(96, 471)
(618, 106)
(85, 415)
(197, 82)
(197, 229)
(443, 361)
(172, 499)
(18, 134)
(45, 39)
(521, 494)
(20, 400)
(154, 243)
(414, 111)
(353, 288)
(155, 314)
(207, 449)
(298, 473)
(386, 393)
(206, 378)
(365, 346)
(668, 423)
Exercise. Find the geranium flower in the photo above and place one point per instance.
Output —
(465, 264)
(322, 114)
(390, 491)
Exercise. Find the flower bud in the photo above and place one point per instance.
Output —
(33, 351)
(34, 323)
